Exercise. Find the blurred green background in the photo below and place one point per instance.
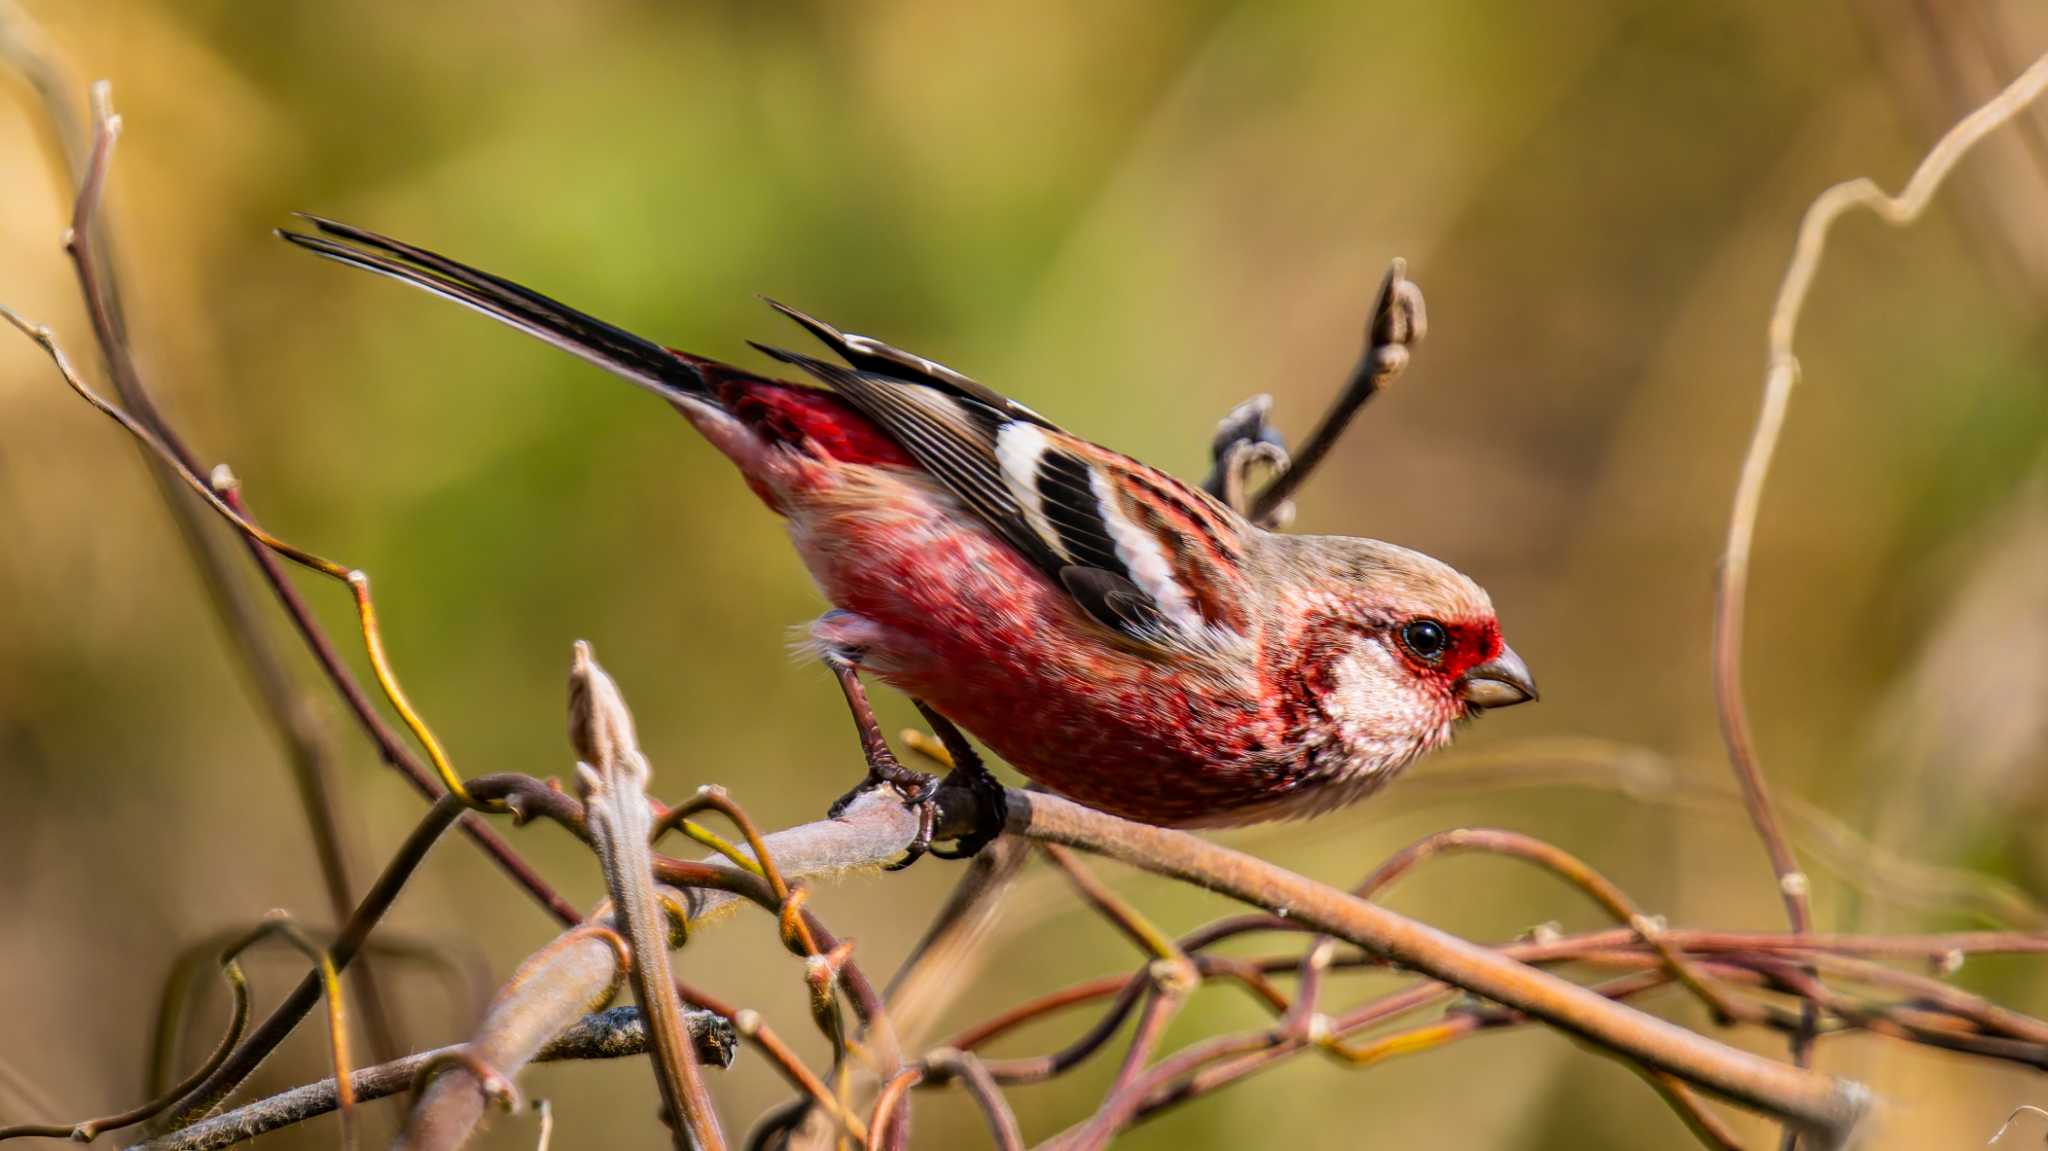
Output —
(1131, 216)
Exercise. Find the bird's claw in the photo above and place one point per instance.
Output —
(918, 790)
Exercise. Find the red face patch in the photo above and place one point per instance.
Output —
(1467, 644)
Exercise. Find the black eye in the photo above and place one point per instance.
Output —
(1426, 638)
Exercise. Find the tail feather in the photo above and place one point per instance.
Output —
(612, 348)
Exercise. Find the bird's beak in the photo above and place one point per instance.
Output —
(1502, 681)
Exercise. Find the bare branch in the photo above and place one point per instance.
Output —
(551, 990)
(1781, 374)
(611, 1034)
(1244, 441)
(1827, 1106)
(89, 242)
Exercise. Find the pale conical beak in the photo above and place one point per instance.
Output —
(1502, 681)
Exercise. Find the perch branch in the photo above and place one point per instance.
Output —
(1827, 1106)
(875, 829)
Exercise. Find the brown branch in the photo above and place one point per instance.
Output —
(1824, 1105)
(555, 987)
(876, 828)
(287, 708)
(375, 902)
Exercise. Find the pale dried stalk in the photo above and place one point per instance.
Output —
(1781, 374)
(614, 777)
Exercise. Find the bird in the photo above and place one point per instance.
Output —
(1117, 636)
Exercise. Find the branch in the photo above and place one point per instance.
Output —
(611, 1034)
(554, 987)
(1826, 1106)
(614, 776)
(1781, 373)
(87, 154)
(288, 708)
(1244, 441)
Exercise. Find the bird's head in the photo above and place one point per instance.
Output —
(1391, 648)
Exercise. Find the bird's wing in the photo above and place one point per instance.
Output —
(1156, 561)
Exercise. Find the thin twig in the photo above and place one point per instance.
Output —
(750, 1027)
(963, 1066)
(390, 749)
(1566, 866)
(288, 708)
(238, 1023)
(1396, 325)
(1781, 374)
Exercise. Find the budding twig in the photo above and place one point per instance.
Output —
(614, 775)
(1396, 324)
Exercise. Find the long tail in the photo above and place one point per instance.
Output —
(614, 349)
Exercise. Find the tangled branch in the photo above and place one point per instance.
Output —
(1801, 984)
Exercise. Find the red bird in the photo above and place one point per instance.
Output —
(1118, 636)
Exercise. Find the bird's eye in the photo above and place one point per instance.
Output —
(1426, 638)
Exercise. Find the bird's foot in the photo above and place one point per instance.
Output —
(969, 774)
(919, 792)
(991, 810)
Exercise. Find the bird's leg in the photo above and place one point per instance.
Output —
(918, 790)
(973, 775)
